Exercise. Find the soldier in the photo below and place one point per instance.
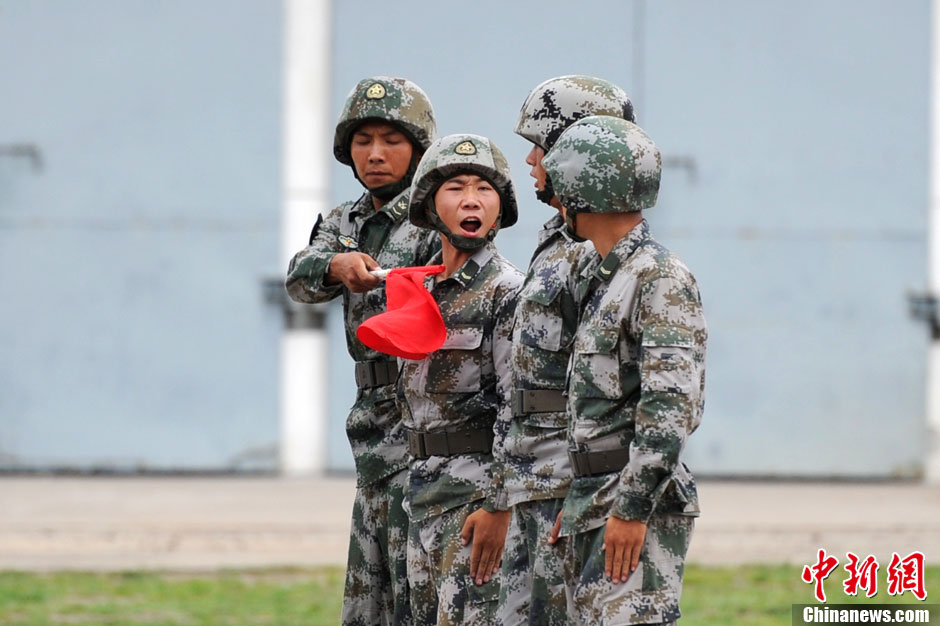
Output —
(385, 127)
(537, 471)
(456, 401)
(636, 386)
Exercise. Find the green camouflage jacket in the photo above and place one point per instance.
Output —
(637, 380)
(465, 384)
(546, 318)
(373, 426)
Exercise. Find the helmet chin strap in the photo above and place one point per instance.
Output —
(571, 220)
(389, 191)
(571, 217)
(546, 194)
(465, 244)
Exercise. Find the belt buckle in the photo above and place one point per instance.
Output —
(365, 374)
(358, 374)
(525, 402)
(387, 377)
(437, 443)
(575, 465)
(463, 441)
(517, 403)
(416, 445)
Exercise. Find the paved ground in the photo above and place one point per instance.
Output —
(51, 523)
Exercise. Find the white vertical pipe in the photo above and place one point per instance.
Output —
(307, 145)
(932, 465)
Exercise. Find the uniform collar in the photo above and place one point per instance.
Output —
(467, 272)
(551, 228)
(621, 251)
(396, 208)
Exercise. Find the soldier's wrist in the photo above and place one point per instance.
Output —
(330, 279)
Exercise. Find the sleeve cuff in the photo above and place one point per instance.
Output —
(633, 507)
(496, 498)
(313, 271)
(495, 504)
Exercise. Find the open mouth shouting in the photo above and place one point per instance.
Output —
(471, 226)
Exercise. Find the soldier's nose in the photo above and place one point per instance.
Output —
(471, 201)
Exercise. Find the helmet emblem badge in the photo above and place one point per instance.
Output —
(376, 91)
(466, 147)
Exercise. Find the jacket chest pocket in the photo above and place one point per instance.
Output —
(540, 320)
(596, 363)
(456, 367)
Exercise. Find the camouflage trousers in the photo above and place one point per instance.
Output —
(533, 585)
(651, 593)
(376, 569)
(442, 591)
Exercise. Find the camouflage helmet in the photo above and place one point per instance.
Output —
(557, 103)
(604, 164)
(453, 155)
(390, 99)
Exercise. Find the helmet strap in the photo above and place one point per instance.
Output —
(546, 194)
(571, 221)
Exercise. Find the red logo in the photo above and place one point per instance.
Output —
(819, 572)
(864, 575)
(905, 574)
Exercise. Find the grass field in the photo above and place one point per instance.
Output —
(713, 596)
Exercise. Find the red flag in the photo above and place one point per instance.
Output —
(412, 326)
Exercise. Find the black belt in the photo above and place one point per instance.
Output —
(449, 442)
(598, 461)
(525, 401)
(376, 373)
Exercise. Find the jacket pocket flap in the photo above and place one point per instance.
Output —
(598, 340)
(463, 338)
(547, 294)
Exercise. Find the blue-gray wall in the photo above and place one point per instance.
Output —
(797, 134)
(133, 328)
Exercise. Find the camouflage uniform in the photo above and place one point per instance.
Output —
(464, 387)
(636, 386)
(538, 472)
(376, 576)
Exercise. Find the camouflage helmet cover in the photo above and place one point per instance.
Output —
(604, 164)
(557, 103)
(456, 154)
(395, 100)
